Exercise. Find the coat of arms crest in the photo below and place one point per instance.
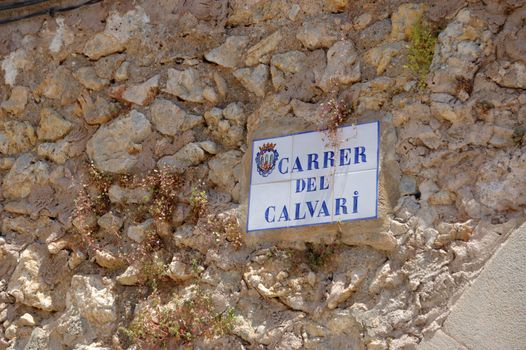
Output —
(266, 159)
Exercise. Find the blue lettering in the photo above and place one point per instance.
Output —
(359, 152)
(328, 157)
(322, 183)
(297, 212)
(280, 166)
(267, 214)
(324, 209)
(355, 202)
(297, 165)
(311, 208)
(344, 156)
(312, 161)
(341, 205)
(311, 184)
(284, 215)
(300, 185)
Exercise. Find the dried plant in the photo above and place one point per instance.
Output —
(334, 113)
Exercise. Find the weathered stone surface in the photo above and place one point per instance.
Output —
(491, 314)
(108, 260)
(256, 53)
(317, 34)
(99, 112)
(289, 62)
(336, 5)
(140, 232)
(93, 297)
(16, 137)
(179, 271)
(167, 117)
(229, 53)
(130, 277)
(342, 66)
(110, 222)
(189, 155)
(17, 101)
(403, 20)
(138, 195)
(52, 125)
(225, 171)
(27, 279)
(142, 94)
(512, 75)
(114, 146)
(102, 44)
(381, 56)
(88, 77)
(57, 152)
(26, 172)
(13, 63)
(60, 85)
(185, 85)
(254, 79)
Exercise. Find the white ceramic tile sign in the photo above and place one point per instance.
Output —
(307, 179)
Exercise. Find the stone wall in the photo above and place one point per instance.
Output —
(123, 134)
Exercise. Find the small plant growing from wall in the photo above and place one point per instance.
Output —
(421, 51)
(333, 114)
(177, 323)
(198, 201)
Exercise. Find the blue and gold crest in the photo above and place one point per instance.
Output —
(266, 159)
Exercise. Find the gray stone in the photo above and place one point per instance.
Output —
(225, 170)
(130, 277)
(167, 117)
(189, 155)
(93, 297)
(122, 195)
(113, 148)
(440, 341)
(254, 79)
(110, 222)
(185, 85)
(342, 66)
(60, 85)
(317, 34)
(229, 54)
(512, 75)
(289, 62)
(140, 232)
(491, 314)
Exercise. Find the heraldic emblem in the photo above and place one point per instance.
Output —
(266, 159)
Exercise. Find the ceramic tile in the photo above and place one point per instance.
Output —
(356, 195)
(266, 206)
(312, 200)
(273, 160)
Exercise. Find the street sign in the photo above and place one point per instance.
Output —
(308, 179)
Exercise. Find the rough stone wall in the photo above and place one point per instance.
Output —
(119, 89)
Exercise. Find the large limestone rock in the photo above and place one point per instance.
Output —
(142, 94)
(27, 282)
(190, 155)
(94, 298)
(254, 79)
(167, 117)
(25, 172)
(102, 44)
(512, 75)
(114, 146)
(185, 84)
(87, 76)
(317, 34)
(256, 53)
(342, 66)
(52, 125)
(229, 53)
(225, 171)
